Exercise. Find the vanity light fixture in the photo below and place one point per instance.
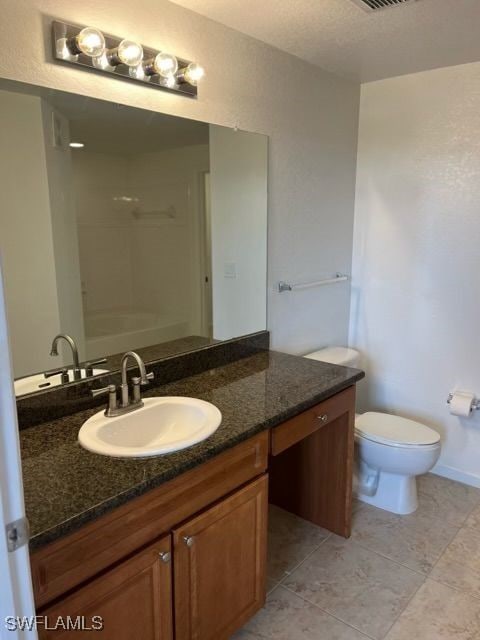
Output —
(76, 145)
(89, 48)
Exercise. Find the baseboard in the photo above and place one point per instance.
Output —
(472, 479)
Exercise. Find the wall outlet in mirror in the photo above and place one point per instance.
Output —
(230, 270)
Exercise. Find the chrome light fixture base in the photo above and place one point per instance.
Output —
(64, 34)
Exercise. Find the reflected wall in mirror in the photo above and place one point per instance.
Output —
(148, 234)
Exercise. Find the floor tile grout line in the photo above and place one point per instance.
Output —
(456, 589)
(276, 584)
(419, 510)
(425, 578)
(475, 506)
(289, 573)
(474, 533)
(425, 574)
(354, 542)
(385, 557)
(463, 527)
(455, 528)
(329, 613)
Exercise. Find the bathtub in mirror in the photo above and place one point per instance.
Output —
(125, 229)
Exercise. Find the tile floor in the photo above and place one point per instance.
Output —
(396, 578)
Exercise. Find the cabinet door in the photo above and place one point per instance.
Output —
(219, 565)
(133, 600)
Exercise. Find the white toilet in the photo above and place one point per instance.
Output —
(391, 451)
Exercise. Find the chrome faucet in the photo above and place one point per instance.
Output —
(143, 380)
(126, 405)
(77, 372)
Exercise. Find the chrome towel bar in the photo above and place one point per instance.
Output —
(285, 286)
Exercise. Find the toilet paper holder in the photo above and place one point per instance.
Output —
(475, 403)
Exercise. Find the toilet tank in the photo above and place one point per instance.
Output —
(336, 355)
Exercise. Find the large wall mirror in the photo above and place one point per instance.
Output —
(125, 229)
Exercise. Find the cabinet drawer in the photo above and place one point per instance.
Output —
(292, 431)
(68, 562)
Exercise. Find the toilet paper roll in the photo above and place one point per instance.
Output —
(461, 403)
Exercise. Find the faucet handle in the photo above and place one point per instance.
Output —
(111, 389)
(56, 372)
(149, 376)
(89, 366)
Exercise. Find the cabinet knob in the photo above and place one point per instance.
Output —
(323, 418)
(188, 540)
(165, 556)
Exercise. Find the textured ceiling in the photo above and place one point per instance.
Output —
(340, 37)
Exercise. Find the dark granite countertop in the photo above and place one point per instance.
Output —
(161, 350)
(66, 486)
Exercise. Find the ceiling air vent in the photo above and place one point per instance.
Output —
(374, 5)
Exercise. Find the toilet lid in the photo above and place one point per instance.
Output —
(388, 429)
(335, 355)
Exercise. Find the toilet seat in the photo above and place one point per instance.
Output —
(395, 431)
(344, 356)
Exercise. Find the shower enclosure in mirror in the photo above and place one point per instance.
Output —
(124, 229)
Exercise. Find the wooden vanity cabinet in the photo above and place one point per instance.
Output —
(69, 562)
(213, 565)
(133, 600)
(210, 571)
(186, 561)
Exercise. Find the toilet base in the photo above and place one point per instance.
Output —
(396, 493)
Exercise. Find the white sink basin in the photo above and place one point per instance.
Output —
(38, 382)
(162, 425)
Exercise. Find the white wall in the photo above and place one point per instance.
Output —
(26, 241)
(238, 216)
(416, 288)
(64, 229)
(310, 116)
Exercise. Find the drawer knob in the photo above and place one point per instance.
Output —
(165, 556)
(188, 540)
(323, 417)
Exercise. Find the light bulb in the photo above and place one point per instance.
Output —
(129, 52)
(170, 81)
(91, 42)
(165, 64)
(193, 73)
